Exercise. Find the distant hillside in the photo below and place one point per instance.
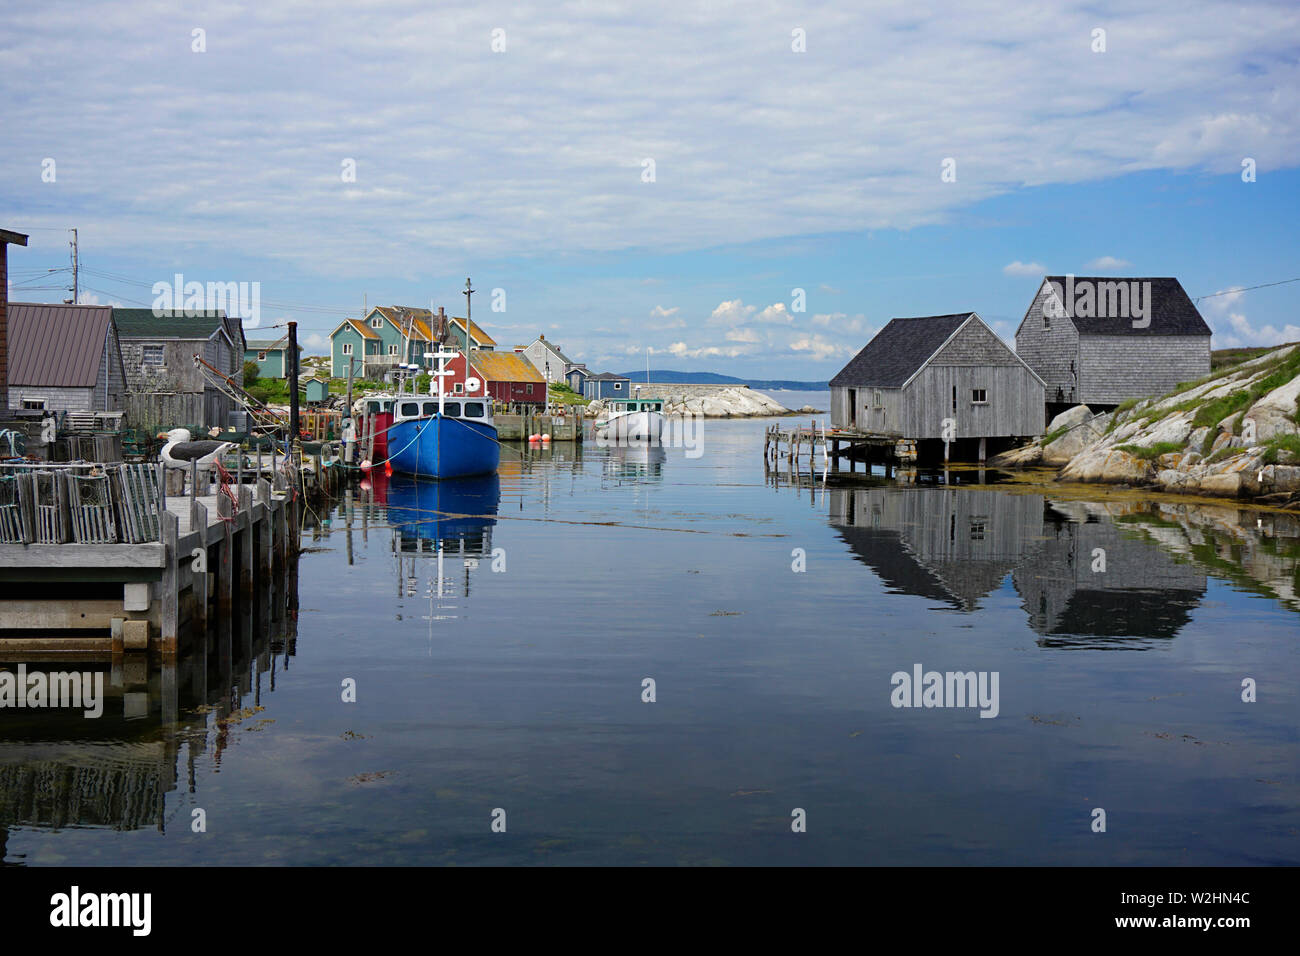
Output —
(670, 377)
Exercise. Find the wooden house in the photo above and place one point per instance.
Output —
(918, 375)
(388, 336)
(1098, 341)
(7, 238)
(549, 359)
(270, 356)
(607, 385)
(505, 377)
(165, 387)
(64, 358)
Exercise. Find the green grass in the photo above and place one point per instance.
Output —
(1281, 444)
(1053, 436)
(1207, 444)
(1149, 452)
(564, 395)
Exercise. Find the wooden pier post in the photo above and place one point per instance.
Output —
(171, 598)
(246, 545)
(199, 523)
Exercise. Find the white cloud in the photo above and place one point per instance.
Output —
(1107, 264)
(547, 157)
(1019, 268)
(743, 335)
(316, 342)
(1236, 331)
(731, 312)
(660, 312)
(818, 347)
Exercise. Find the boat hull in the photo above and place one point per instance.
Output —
(632, 427)
(443, 447)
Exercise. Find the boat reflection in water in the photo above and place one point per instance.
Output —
(446, 520)
(642, 461)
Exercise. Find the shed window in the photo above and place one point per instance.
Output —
(979, 396)
(152, 355)
(618, 386)
(261, 356)
(458, 388)
(34, 404)
(530, 388)
(347, 348)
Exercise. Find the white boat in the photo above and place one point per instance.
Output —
(631, 420)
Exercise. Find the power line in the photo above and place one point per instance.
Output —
(1266, 285)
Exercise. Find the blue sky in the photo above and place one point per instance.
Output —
(774, 170)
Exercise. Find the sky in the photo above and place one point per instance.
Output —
(753, 189)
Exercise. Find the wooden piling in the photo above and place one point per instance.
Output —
(170, 629)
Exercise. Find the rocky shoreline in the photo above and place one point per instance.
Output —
(1235, 434)
(738, 402)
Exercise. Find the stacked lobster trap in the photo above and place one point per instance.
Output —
(80, 504)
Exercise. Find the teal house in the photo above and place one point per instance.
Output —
(397, 335)
(272, 358)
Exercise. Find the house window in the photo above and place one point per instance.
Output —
(618, 386)
(979, 396)
(1047, 318)
(392, 350)
(347, 348)
(377, 322)
(261, 356)
(153, 355)
(34, 404)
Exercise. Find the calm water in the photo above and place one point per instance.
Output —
(499, 663)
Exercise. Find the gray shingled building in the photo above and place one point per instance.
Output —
(1098, 341)
(917, 373)
(64, 358)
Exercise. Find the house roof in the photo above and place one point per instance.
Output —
(559, 353)
(421, 320)
(505, 367)
(609, 377)
(363, 330)
(898, 350)
(171, 324)
(269, 345)
(479, 335)
(57, 346)
(1172, 312)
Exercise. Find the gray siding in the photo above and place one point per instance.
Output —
(56, 399)
(1113, 368)
(1051, 352)
(975, 359)
(177, 393)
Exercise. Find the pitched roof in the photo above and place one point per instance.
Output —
(420, 319)
(171, 324)
(269, 345)
(609, 377)
(363, 330)
(505, 367)
(898, 350)
(479, 335)
(554, 348)
(57, 346)
(1171, 311)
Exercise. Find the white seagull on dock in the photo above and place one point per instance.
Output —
(181, 449)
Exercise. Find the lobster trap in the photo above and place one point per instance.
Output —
(139, 502)
(90, 504)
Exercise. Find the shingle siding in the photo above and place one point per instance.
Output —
(56, 399)
(1052, 352)
(1114, 369)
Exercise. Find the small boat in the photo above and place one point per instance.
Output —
(631, 420)
(434, 437)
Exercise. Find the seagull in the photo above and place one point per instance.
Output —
(180, 450)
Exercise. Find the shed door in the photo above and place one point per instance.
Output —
(853, 406)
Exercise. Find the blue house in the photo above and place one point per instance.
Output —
(398, 335)
(607, 385)
(272, 358)
(577, 378)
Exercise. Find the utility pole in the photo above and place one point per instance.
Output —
(75, 282)
(469, 291)
(293, 384)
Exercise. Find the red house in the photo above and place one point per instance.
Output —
(504, 376)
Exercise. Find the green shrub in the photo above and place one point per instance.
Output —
(1149, 452)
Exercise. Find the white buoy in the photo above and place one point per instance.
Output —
(365, 465)
(546, 437)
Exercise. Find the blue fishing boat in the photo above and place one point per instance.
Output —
(438, 437)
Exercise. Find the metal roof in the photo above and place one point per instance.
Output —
(57, 346)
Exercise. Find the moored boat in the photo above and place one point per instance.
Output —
(631, 420)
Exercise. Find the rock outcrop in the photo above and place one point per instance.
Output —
(740, 402)
(1234, 434)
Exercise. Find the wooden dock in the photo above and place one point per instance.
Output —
(149, 584)
(798, 446)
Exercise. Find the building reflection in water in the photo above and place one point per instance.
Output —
(1085, 579)
(59, 769)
